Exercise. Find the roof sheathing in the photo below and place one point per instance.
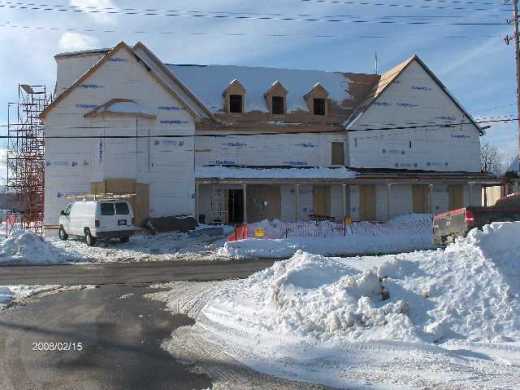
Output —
(208, 82)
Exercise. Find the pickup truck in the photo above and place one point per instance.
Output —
(457, 223)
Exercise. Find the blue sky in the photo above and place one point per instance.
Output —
(473, 61)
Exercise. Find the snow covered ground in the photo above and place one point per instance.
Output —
(444, 319)
(28, 248)
(400, 234)
(17, 294)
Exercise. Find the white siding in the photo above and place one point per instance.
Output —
(166, 164)
(414, 98)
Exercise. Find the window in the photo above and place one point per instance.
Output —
(107, 209)
(122, 209)
(67, 210)
(235, 103)
(319, 106)
(338, 153)
(278, 105)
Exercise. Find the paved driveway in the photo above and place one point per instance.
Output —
(129, 273)
(120, 340)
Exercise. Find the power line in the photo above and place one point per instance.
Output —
(404, 127)
(8, 25)
(466, 6)
(387, 19)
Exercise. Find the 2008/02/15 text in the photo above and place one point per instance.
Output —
(61, 346)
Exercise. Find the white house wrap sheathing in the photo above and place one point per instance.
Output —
(166, 164)
(296, 150)
(70, 68)
(414, 99)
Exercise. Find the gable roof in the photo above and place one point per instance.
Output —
(167, 72)
(389, 77)
(109, 54)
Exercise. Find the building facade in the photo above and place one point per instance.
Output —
(233, 144)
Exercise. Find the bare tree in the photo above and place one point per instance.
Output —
(490, 159)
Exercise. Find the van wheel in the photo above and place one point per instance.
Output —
(124, 239)
(62, 234)
(91, 241)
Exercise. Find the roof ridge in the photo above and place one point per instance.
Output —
(266, 67)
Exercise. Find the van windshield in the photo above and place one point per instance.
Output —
(122, 209)
(107, 209)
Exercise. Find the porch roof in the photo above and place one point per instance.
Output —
(235, 174)
(255, 173)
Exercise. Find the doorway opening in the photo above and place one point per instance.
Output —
(235, 206)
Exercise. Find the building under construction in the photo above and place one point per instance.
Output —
(26, 154)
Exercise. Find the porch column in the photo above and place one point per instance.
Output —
(197, 206)
(430, 197)
(297, 191)
(470, 197)
(344, 198)
(244, 194)
(388, 199)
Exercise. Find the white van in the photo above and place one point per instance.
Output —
(97, 219)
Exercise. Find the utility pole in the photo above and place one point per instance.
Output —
(516, 39)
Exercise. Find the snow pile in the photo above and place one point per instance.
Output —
(401, 234)
(471, 291)
(433, 305)
(26, 247)
(13, 294)
(313, 296)
(6, 296)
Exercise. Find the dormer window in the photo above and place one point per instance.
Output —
(234, 98)
(235, 103)
(319, 106)
(278, 105)
(318, 100)
(276, 99)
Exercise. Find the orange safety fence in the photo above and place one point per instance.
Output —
(240, 233)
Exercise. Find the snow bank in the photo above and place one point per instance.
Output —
(427, 304)
(401, 234)
(25, 247)
(6, 296)
(29, 248)
(9, 294)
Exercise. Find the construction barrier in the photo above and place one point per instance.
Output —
(240, 233)
(320, 229)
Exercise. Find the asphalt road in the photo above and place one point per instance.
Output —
(129, 273)
(120, 337)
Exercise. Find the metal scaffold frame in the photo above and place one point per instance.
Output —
(26, 154)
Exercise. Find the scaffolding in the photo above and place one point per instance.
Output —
(26, 154)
